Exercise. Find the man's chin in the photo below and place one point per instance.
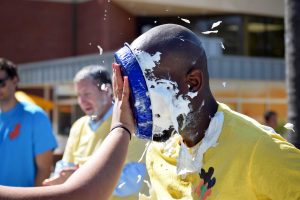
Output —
(90, 114)
(191, 139)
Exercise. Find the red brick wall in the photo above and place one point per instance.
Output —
(102, 23)
(41, 30)
(35, 30)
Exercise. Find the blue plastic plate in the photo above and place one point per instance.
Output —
(140, 100)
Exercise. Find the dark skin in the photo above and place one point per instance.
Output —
(183, 60)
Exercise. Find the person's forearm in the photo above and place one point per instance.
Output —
(110, 159)
(94, 180)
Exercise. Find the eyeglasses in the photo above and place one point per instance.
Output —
(3, 81)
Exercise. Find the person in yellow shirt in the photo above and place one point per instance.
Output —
(94, 95)
(218, 153)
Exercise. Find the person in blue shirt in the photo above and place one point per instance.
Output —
(26, 137)
(99, 175)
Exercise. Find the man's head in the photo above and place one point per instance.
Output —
(179, 76)
(93, 88)
(271, 119)
(182, 54)
(8, 80)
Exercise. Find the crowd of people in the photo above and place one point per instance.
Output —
(28, 161)
(215, 153)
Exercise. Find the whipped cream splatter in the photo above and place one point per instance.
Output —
(209, 32)
(185, 20)
(165, 102)
(216, 24)
(139, 178)
(121, 185)
(222, 45)
(190, 160)
(100, 49)
(289, 126)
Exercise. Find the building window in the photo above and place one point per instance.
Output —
(230, 32)
(240, 34)
(264, 36)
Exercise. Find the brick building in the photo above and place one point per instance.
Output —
(52, 39)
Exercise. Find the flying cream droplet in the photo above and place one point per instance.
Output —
(186, 20)
(100, 49)
(222, 45)
(139, 178)
(216, 24)
(209, 32)
(289, 126)
(103, 87)
(121, 185)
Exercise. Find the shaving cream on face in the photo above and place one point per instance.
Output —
(160, 107)
(163, 93)
(190, 160)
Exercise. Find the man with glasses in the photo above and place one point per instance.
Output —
(26, 136)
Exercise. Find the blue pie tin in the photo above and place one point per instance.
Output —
(139, 95)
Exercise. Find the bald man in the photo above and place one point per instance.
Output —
(218, 153)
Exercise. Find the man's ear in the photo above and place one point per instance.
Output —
(194, 79)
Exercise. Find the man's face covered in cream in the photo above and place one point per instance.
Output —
(169, 108)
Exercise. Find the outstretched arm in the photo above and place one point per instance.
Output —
(98, 177)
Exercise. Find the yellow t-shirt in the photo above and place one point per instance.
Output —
(83, 141)
(248, 163)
